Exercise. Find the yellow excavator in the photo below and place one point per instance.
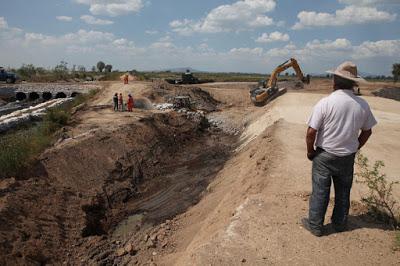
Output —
(267, 91)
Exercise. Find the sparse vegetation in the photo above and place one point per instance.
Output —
(396, 72)
(21, 147)
(379, 199)
(397, 241)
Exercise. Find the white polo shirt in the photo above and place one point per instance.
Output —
(338, 120)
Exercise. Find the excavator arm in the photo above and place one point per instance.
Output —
(279, 69)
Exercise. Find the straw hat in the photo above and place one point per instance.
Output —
(347, 70)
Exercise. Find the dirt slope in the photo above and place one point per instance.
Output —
(252, 211)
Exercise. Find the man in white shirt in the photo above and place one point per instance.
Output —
(340, 125)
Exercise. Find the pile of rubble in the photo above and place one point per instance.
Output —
(154, 242)
(200, 116)
(225, 127)
(164, 106)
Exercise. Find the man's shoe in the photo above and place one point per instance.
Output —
(339, 227)
(306, 225)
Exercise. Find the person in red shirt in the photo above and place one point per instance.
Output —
(130, 103)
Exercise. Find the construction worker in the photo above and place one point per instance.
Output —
(120, 103)
(130, 103)
(115, 100)
(339, 126)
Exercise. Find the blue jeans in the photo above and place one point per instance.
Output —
(327, 167)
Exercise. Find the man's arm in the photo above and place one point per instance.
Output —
(310, 139)
(363, 138)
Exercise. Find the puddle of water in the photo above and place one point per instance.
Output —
(129, 225)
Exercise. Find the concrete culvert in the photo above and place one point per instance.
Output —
(74, 94)
(47, 96)
(20, 96)
(61, 95)
(143, 103)
(33, 96)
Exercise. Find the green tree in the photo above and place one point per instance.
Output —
(108, 68)
(101, 66)
(396, 72)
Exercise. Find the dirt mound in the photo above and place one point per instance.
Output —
(390, 93)
(70, 205)
(165, 92)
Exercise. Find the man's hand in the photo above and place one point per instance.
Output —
(364, 136)
(311, 155)
(310, 139)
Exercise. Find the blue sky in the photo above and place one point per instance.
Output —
(222, 35)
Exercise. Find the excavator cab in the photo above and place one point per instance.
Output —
(267, 91)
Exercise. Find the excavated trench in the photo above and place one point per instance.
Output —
(89, 195)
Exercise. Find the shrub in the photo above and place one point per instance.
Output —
(379, 198)
(20, 148)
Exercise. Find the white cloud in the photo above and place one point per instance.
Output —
(339, 49)
(275, 36)
(64, 18)
(368, 2)
(336, 45)
(347, 16)
(113, 8)
(383, 48)
(95, 21)
(151, 32)
(3, 23)
(164, 43)
(8, 33)
(81, 37)
(247, 51)
(239, 16)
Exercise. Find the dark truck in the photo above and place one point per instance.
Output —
(8, 77)
(188, 78)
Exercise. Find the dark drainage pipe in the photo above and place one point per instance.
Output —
(74, 94)
(61, 95)
(20, 96)
(47, 96)
(33, 96)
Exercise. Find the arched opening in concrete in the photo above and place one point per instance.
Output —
(61, 95)
(74, 94)
(47, 95)
(20, 96)
(33, 96)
